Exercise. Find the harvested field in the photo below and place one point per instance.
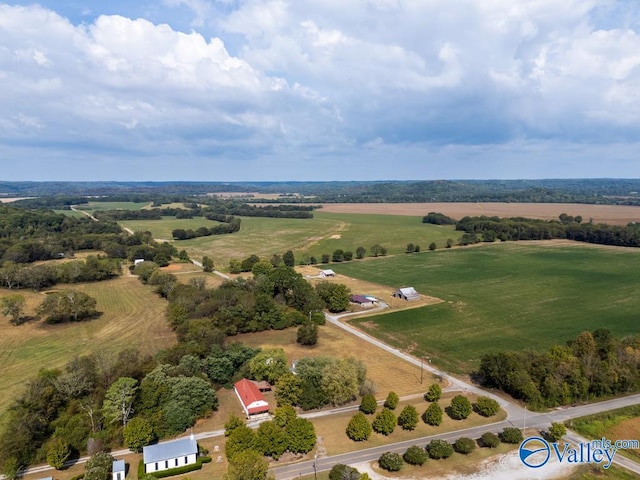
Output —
(612, 214)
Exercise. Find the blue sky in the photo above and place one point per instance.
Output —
(231, 90)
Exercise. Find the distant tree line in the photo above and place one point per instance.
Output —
(594, 191)
(567, 227)
(593, 365)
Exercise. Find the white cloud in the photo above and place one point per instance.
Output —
(322, 78)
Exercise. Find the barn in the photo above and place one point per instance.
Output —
(173, 454)
(407, 293)
(253, 403)
(327, 273)
(362, 300)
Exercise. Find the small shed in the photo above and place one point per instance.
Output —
(263, 385)
(138, 261)
(407, 293)
(362, 300)
(327, 273)
(118, 470)
(251, 399)
(173, 454)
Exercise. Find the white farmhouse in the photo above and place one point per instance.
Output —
(173, 454)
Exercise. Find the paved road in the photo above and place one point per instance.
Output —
(534, 420)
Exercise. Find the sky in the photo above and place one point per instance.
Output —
(249, 90)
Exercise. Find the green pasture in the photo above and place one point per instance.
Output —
(324, 233)
(504, 297)
(391, 231)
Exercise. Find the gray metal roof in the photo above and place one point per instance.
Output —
(168, 450)
(118, 466)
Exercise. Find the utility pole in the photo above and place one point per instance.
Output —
(315, 466)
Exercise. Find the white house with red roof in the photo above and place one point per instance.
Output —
(250, 397)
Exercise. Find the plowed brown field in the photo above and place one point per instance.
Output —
(612, 214)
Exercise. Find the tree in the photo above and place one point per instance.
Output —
(144, 270)
(408, 418)
(270, 364)
(376, 250)
(341, 471)
(232, 423)
(557, 431)
(307, 334)
(241, 439)
(485, 406)
(434, 393)
(368, 405)
(450, 242)
(338, 255)
(289, 259)
(67, 306)
(58, 453)
(270, 440)
(207, 264)
(263, 267)
(392, 401)
(460, 407)
(99, 466)
(340, 382)
(247, 465)
(360, 252)
(138, 433)
(438, 449)
(464, 445)
(11, 468)
(288, 389)
(325, 258)
(432, 246)
(490, 440)
(118, 401)
(433, 415)
(416, 248)
(415, 455)
(348, 255)
(335, 296)
(359, 429)
(13, 306)
(301, 435)
(385, 422)
(511, 435)
(392, 462)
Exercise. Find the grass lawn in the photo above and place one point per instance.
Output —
(161, 229)
(332, 428)
(504, 297)
(133, 317)
(387, 371)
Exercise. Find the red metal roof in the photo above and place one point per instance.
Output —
(249, 394)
